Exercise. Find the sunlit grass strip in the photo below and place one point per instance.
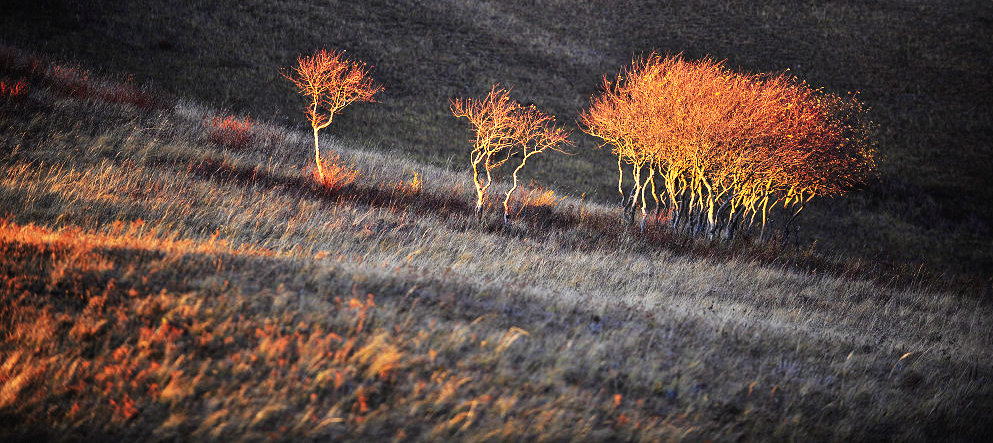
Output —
(163, 361)
(129, 235)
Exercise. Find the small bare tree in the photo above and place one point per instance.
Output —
(537, 134)
(330, 82)
(495, 121)
(504, 130)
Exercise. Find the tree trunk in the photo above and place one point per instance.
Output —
(317, 157)
(506, 200)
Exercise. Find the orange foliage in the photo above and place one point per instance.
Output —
(725, 145)
(332, 175)
(505, 129)
(330, 82)
(13, 89)
(230, 131)
(414, 186)
(125, 409)
(545, 198)
(132, 236)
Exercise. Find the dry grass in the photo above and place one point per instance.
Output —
(540, 197)
(412, 187)
(157, 286)
(535, 202)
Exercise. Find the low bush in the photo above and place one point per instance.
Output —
(13, 89)
(727, 147)
(230, 131)
(333, 174)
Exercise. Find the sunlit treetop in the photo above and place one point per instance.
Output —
(331, 82)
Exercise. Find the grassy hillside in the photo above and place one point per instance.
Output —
(919, 65)
(157, 284)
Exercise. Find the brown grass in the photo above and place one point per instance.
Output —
(156, 286)
(77, 83)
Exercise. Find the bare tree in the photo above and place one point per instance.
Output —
(538, 133)
(330, 82)
(503, 130)
(495, 122)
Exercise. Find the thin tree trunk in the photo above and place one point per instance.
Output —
(506, 200)
(480, 190)
(644, 201)
(317, 157)
(482, 193)
(620, 180)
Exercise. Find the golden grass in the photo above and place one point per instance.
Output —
(538, 197)
(256, 366)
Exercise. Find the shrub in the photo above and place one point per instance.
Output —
(12, 89)
(330, 82)
(126, 92)
(71, 81)
(332, 174)
(413, 187)
(727, 147)
(230, 131)
(541, 198)
(77, 83)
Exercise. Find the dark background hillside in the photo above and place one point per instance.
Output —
(923, 68)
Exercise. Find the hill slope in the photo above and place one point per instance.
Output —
(918, 65)
(915, 63)
(157, 284)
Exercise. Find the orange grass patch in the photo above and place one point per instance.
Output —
(230, 131)
(336, 174)
(13, 89)
(102, 353)
(122, 235)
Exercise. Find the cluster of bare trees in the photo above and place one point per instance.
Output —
(505, 130)
(722, 148)
(716, 150)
